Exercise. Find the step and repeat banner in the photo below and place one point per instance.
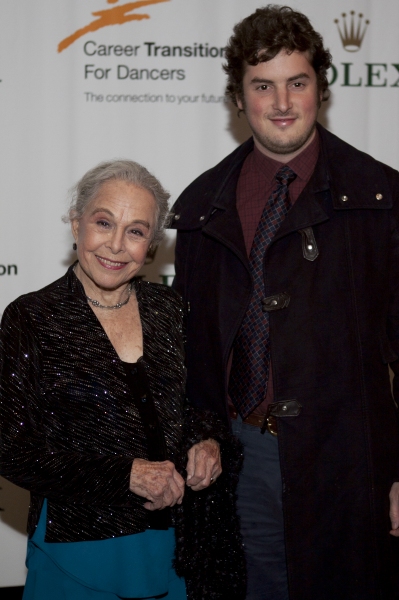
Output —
(83, 81)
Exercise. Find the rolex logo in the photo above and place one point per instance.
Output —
(352, 30)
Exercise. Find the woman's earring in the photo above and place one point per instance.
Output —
(74, 246)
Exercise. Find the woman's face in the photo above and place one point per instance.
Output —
(114, 234)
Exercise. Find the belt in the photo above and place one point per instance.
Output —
(268, 422)
(265, 422)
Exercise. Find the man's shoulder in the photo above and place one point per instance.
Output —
(358, 175)
(345, 156)
(213, 180)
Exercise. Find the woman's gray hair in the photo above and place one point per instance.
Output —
(89, 186)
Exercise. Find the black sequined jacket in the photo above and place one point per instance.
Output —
(69, 428)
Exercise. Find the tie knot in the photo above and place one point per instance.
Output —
(285, 175)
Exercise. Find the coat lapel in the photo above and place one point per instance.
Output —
(307, 210)
(223, 221)
(225, 226)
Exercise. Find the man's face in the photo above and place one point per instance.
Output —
(281, 101)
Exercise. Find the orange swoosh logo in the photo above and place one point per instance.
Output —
(118, 15)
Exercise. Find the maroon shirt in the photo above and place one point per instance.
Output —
(254, 188)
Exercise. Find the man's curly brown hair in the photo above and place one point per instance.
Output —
(262, 35)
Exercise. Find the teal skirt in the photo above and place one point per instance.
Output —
(132, 566)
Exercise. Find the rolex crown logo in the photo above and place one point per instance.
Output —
(352, 33)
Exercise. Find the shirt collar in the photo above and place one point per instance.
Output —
(303, 164)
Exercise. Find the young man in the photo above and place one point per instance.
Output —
(287, 258)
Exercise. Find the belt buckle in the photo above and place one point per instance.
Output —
(271, 425)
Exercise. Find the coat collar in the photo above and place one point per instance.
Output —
(306, 211)
(354, 179)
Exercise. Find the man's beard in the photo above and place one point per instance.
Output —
(279, 146)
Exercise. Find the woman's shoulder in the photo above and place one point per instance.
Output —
(161, 301)
(37, 300)
(159, 292)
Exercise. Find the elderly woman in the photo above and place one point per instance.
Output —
(92, 383)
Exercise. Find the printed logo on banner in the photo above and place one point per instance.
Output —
(8, 270)
(107, 63)
(352, 30)
(352, 33)
(118, 15)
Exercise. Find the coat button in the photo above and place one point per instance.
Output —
(202, 217)
(344, 198)
(379, 196)
(275, 302)
(177, 217)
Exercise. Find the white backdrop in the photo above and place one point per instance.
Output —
(77, 88)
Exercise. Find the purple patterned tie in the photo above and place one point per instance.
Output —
(251, 350)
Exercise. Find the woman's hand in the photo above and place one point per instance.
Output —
(394, 509)
(204, 465)
(159, 482)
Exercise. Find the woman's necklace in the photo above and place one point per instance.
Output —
(119, 305)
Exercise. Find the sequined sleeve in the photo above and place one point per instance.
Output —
(26, 457)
